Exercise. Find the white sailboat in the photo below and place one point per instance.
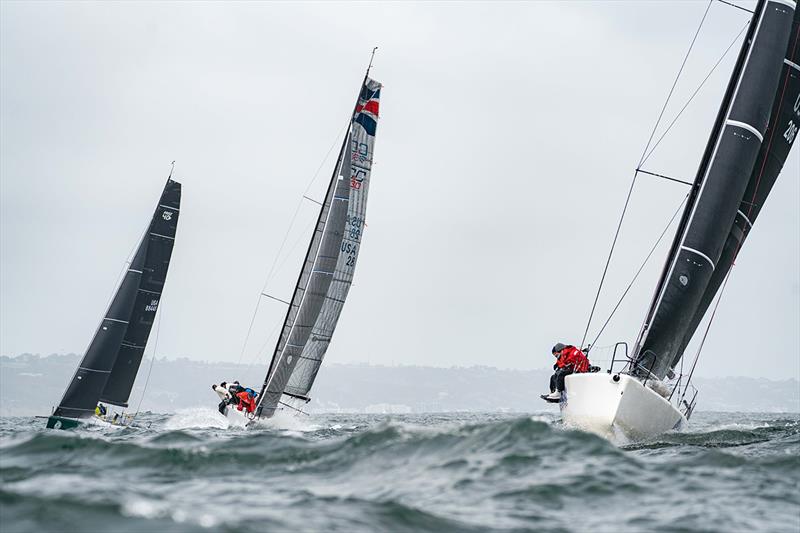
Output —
(756, 125)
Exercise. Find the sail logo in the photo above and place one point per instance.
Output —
(791, 132)
(166, 215)
(357, 178)
(152, 306)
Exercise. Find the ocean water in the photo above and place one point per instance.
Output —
(190, 471)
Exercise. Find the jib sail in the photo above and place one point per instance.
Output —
(108, 369)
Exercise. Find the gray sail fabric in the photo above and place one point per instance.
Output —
(722, 187)
(358, 166)
(319, 277)
(322, 269)
(160, 240)
(778, 140)
(98, 363)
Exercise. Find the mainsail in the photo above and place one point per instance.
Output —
(725, 175)
(778, 138)
(108, 369)
(329, 265)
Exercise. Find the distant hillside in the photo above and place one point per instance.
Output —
(31, 384)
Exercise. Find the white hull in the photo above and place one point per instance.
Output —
(617, 406)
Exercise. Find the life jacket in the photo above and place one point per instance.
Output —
(246, 401)
(574, 358)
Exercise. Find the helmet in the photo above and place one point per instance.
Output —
(558, 347)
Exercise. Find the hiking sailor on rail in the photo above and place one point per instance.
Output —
(569, 359)
(244, 398)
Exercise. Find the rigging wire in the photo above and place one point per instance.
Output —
(152, 361)
(636, 172)
(699, 87)
(705, 335)
(646, 259)
(272, 269)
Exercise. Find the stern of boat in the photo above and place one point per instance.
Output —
(60, 422)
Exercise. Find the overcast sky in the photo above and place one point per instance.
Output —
(506, 144)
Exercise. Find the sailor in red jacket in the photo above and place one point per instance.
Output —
(569, 360)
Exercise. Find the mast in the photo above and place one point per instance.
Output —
(719, 186)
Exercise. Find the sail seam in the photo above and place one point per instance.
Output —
(134, 270)
(95, 370)
(792, 64)
(116, 320)
(163, 236)
(131, 345)
(150, 292)
(168, 207)
(746, 126)
(701, 254)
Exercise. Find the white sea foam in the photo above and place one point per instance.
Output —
(198, 417)
(289, 422)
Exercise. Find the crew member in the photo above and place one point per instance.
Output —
(569, 360)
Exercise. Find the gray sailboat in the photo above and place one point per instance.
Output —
(327, 272)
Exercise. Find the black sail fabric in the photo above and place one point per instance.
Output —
(98, 364)
(160, 240)
(778, 140)
(722, 183)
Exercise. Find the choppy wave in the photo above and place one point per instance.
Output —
(192, 471)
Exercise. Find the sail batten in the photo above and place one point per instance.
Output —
(723, 177)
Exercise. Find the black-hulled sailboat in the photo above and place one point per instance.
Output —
(749, 144)
(327, 272)
(106, 374)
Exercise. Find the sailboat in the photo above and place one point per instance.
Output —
(327, 271)
(106, 374)
(753, 133)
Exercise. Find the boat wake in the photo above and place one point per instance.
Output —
(197, 418)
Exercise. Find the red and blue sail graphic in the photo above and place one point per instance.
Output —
(367, 108)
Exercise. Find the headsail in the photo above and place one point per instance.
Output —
(721, 182)
(109, 367)
(329, 264)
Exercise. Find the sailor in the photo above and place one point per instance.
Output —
(100, 410)
(225, 396)
(247, 400)
(569, 360)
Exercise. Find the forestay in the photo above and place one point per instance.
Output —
(329, 265)
(108, 369)
(723, 178)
